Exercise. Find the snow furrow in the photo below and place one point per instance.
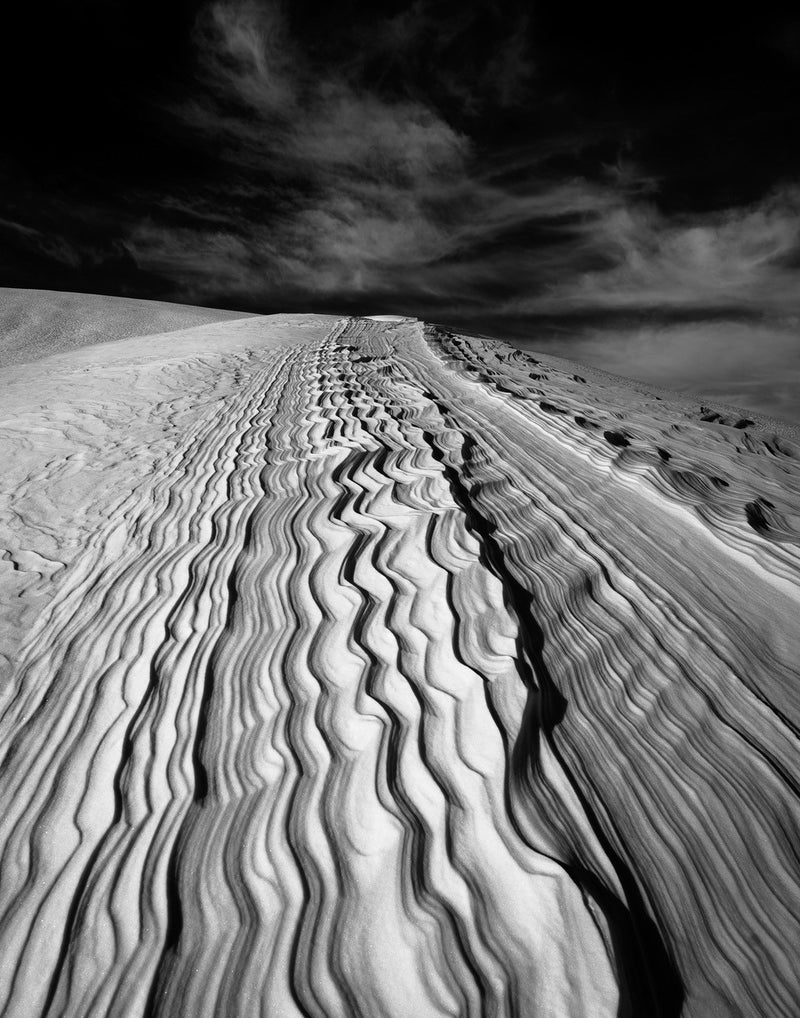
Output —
(399, 687)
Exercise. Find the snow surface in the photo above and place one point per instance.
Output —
(354, 667)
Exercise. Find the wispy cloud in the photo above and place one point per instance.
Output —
(747, 257)
(331, 185)
(50, 245)
(344, 184)
(473, 55)
(363, 172)
(705, 303)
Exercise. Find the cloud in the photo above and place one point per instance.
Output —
(472, 56)
(753, 365)
(510, 69)
(707, 303)
(51, 245)
(333, 186)
(324, 184)
(744, 257)
(246, 54)
(414, 163)
(286, 112)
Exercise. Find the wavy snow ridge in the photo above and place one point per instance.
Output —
(405, 677)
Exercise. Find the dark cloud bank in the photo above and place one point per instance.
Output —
(612, 187)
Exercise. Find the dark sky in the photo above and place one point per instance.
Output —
(620, 182)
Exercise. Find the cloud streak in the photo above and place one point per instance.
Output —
(353, 192)
(344, 185)
(747, 257)
(365, 167)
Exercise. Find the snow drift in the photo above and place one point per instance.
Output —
(354, 667)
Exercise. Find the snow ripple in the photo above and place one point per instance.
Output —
(408, 683)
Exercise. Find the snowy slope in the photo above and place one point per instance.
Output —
(357, 668)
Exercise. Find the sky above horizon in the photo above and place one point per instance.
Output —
(617, 185)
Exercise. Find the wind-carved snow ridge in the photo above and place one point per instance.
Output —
(401, 675)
